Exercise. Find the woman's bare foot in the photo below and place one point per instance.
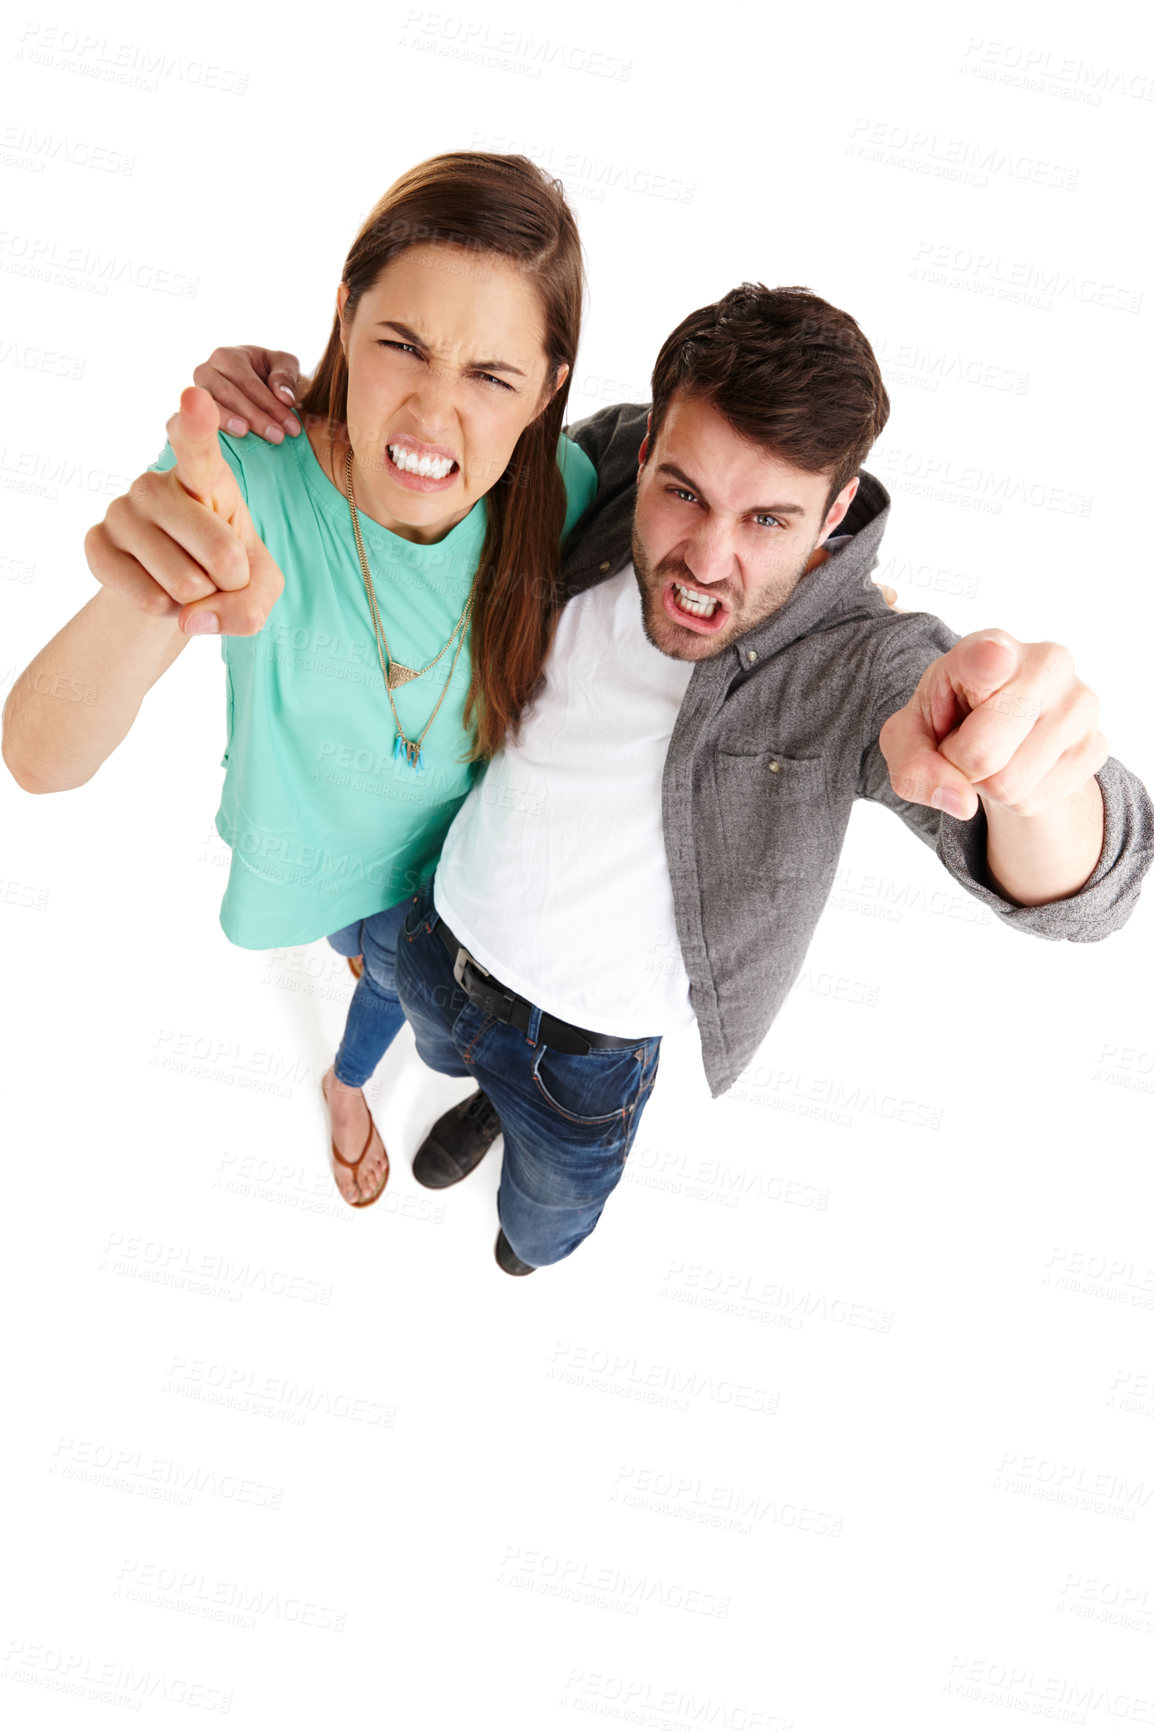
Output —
(363, 1179)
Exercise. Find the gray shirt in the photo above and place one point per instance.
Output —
(776, 737)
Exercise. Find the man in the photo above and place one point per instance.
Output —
(724, 683)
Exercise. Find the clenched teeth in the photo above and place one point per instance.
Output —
(692, 602)
(432, 468)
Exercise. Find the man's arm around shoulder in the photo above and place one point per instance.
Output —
(611, 439)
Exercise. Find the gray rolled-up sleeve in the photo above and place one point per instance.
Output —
(1106, 900)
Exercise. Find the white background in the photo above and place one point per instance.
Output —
(837, 1421)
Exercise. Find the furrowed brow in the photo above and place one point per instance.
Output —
(754, 510)
(403, 332)
(680, 475)
(498, 367)
(408, 336)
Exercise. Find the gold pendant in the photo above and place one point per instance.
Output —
(400, 675)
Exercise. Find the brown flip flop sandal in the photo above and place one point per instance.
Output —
(356, 966)
(361, 1202)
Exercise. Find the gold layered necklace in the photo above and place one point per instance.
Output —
(395, 673)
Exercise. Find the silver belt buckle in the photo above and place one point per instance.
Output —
(463, 959)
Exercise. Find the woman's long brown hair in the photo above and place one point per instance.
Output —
(504, 206)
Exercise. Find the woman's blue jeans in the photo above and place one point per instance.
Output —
(375, 1014)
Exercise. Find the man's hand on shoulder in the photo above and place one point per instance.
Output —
(1008, 724)
(252, 387)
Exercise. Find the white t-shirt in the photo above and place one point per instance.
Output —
(554, 872)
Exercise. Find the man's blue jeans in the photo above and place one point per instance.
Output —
(375, 1015)
(569, 1122)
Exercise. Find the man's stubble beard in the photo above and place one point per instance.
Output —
(667, 636)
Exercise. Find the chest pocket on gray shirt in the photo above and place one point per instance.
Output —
(775, 818)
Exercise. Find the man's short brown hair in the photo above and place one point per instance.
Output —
(787, 371)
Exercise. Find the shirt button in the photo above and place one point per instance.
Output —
(751, 655)
(604, 566)
(774, 765)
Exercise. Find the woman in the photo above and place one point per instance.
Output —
(411, 545)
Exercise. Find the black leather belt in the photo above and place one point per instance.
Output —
(496, 1000)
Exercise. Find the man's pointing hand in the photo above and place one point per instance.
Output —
(993, 717)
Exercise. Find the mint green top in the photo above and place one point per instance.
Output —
(325, 825)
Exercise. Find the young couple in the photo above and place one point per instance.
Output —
(673, 716)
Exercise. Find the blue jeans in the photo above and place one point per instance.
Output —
(375, 1014)
(569, 1122)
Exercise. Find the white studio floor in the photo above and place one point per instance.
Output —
(824, 1375)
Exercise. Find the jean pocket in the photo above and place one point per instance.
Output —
(593, 1088)
(420, 908)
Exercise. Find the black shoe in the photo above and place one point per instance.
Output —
(457, 1142)
(509, 1259)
